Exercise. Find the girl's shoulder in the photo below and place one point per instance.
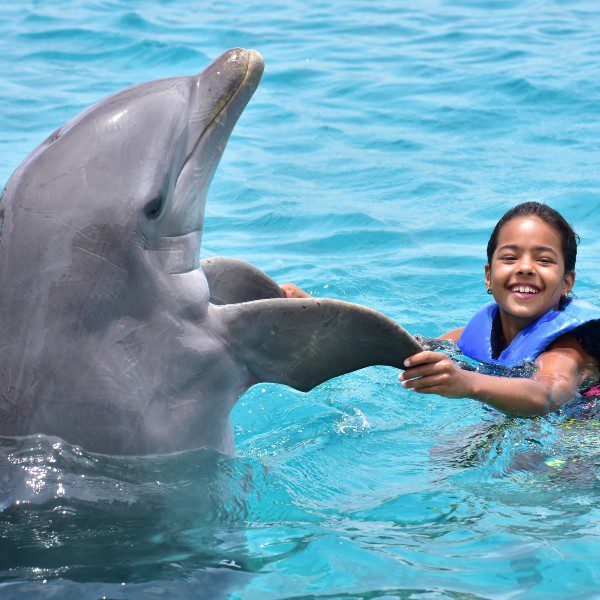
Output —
(453, 335)
(570, 346)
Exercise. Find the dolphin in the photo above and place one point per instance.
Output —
(113, 335)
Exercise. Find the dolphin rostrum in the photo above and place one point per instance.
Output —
(108, 334)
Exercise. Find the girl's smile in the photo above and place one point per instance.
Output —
(527, 275)
(524, 290)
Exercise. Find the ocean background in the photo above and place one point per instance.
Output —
(384, 142)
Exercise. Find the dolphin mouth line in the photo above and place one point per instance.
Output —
(231, 96)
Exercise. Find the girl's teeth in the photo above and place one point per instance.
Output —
(525, 290)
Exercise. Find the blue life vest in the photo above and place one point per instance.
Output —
(476, 339)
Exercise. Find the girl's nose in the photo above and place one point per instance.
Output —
(525, 265)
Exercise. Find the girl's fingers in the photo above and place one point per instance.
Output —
(429, 368)
(422, 371)
(425, 357)
(434, 389)
(424, 382)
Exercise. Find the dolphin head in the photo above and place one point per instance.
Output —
(172, 206)
(125, 181)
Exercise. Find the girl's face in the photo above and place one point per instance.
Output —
(527, 275)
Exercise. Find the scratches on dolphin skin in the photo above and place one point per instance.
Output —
(101, 257)
(69, 172)
(221, 147)
(9, 382)
(75, 229)
(53, 179)
(47, 213)
(313, 345)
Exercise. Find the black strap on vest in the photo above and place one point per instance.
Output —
(588, 336)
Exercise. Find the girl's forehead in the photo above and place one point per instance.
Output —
(528, 232)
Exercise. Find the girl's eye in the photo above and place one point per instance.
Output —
(545, 261)
(508, 258)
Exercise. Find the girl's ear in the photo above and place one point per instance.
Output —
(568, 282)
(488, 277)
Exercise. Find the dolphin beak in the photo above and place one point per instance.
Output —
(218, 96)
(220, 93)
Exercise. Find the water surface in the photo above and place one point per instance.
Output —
(383, 144)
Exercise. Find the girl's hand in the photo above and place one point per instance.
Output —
(291, 290)
(436, 374)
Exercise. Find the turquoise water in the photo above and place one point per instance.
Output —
(379, 150)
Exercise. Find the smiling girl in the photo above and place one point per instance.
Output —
(530, 273)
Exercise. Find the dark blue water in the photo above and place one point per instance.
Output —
(383, 144)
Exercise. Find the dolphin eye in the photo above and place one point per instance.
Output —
(153, 208)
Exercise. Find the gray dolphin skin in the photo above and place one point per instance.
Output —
(108, 335)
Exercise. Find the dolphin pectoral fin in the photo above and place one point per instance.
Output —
(305, 341)
(231, 281)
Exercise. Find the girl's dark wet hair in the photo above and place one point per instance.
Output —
(569, 239)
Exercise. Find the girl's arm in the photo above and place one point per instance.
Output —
(291, 290)
(561, 370)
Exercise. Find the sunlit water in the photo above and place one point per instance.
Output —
(380, 149)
